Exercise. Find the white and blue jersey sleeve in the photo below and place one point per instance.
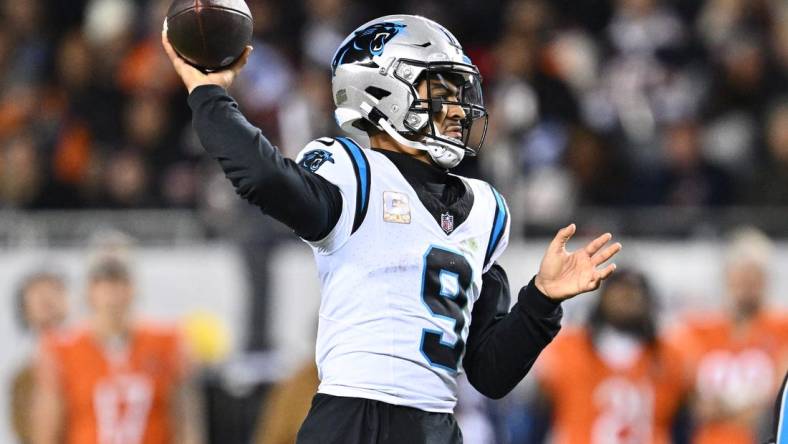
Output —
(342, 162)
(499, 234)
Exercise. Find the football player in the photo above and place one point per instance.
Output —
(113, 379)
(737, 356)
(406, 251)
(616, 380)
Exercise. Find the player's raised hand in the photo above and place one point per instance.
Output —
(563, 274)
(193, 77)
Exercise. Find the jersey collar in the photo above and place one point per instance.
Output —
(415, 170)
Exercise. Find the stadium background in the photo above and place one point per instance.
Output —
(665, 122)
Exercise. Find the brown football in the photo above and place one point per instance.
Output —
(209, 34)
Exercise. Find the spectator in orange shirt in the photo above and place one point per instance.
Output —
(615, 381)
(113, 380)
(738, 356)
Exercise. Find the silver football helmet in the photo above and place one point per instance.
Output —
(375, 74)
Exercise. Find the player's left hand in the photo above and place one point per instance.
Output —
(563, 274)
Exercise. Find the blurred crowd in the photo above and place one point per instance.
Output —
(593, 102)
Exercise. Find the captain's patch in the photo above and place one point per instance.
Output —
(314, 159)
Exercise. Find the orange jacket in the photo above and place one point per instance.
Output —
(117, 396)
(594, 402)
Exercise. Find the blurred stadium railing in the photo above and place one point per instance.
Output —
(182, 227)
(74, 227)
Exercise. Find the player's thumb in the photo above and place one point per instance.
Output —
(241, 62)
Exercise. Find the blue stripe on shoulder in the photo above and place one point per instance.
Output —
(361, 168)
(499, 225)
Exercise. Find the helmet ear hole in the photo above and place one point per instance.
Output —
(377, 93)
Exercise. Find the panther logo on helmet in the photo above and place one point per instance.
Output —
(365, 44)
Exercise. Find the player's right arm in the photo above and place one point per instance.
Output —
(302, 200)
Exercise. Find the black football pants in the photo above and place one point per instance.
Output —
(340, 420)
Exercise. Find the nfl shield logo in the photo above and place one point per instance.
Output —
(447, 222)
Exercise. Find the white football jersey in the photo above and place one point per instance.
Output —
(397, 290)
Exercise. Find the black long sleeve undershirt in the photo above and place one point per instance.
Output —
(305, 202)
(503, 345)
